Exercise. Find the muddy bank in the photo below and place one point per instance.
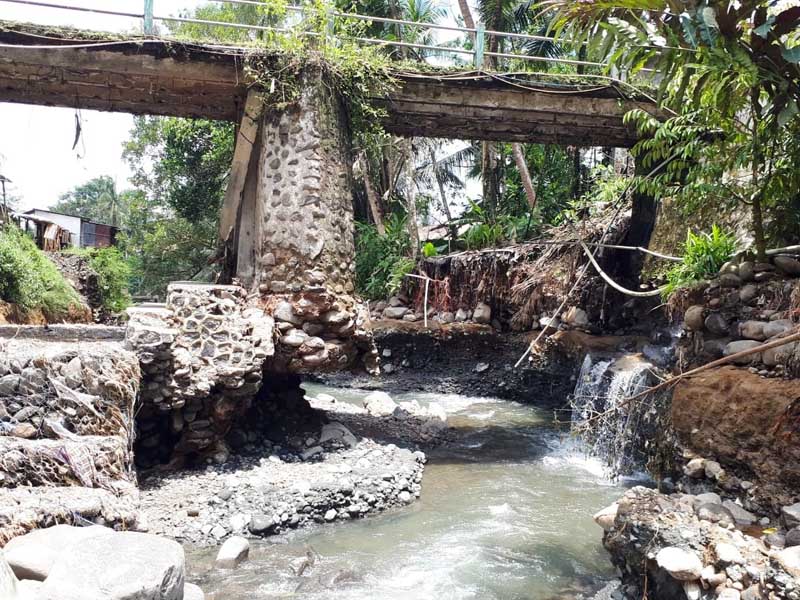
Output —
(467, 359)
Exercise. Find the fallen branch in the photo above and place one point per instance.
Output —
(793, 337)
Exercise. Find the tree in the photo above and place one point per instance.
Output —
(95, 200)
(180, 169)
(729, 73)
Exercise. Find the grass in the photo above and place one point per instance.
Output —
(113, 275)
(30, 280)
(703, 256)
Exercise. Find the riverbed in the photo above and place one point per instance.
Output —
(505, 514)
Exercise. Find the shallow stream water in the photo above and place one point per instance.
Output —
(505, 514)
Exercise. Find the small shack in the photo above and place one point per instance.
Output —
(56, 231)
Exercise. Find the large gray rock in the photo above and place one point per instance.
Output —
(789, 265)
(746, 272)
(683, 565)
(790, 515)
(693, 317)
(379, 404)
(32, 555)
(576, 317)
(482, 313)
(8, 581)
(789, 559)
(742, 517)
(234, 551)
(780, 355)
(336, 431)
(741, 346)
(717, 324)
(753, 330)
(284, 312)
(394, 312)
(777, 327)
(122, 566)
(748, 293)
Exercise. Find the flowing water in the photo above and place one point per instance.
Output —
(505, 513)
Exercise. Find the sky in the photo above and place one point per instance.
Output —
(36, 142)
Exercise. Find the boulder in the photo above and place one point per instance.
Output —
(746, 272)
(394, 312)
(752, 330)
(790, 515)
(461, 315)
(716, 324)
(741, 346)
(122, 566)
(742, 517)
(234, 551)
(693, 317)
(8, 581)
(31, 556)
(729, 280)
(780, 355)
(396, 302)
(379, 404)
(284, 312)
(683, 565)
(789, 559)
(336, 431)
(605, 518)
(788, 265)
(748, 293)
(695, 468)
(792, 538)
(192, 592)
(715, 348)
(576, 317)
(713, 469)
(777, 327)
(715, 513)
(447, 317)
(482, 313)
(728, 554)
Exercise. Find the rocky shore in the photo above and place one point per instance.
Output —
(698, 547)
(347, 468)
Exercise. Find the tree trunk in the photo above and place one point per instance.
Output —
(758, 228)
(372, 198)
(445, 206)
(411, 202)
(466, 14)
(524, 174)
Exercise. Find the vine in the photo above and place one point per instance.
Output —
(319, 39)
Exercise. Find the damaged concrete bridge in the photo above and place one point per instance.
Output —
(286, 224)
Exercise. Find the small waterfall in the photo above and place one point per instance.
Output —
(612, 430)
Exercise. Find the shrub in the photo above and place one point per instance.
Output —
(703, 256)
(113, 275)
(382, 261)
(30, 280)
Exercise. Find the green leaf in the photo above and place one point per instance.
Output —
(763, 30)
(791, 54)
(787, 114)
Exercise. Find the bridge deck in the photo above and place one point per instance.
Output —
(145, 76)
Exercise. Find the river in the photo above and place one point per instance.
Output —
(505, 514)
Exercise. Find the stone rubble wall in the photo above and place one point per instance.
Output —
(304, 196)
(66, 433)
(202, 356)
(687, 546)
(745, 305)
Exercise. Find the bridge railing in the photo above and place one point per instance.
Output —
(478, 54)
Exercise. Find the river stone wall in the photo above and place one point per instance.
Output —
(304, 201)
(202, 355)
(747, 304)
(295, 246)
(66, 429)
